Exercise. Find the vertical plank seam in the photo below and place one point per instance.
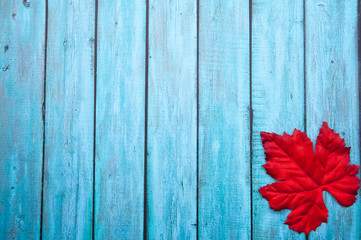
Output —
(145, 205)
(359, 66)
(43, 116)
(197, 214)
(95, 112)
(304, 68)
(250, 114)
(304, 76)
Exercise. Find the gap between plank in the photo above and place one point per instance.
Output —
(145, 216)
(304, 68)
(95, 110)
(359, 64)
(250, 113)
(43, 118)
(197, 214)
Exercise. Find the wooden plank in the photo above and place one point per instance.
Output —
(224, 120)
(277, 97)
(332, 96)
(172, 120)
(22, 41)
(119, 189)
(68, 183)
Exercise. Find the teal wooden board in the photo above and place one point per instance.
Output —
(68, 164)
(21, 125)
(332, 96)
(119, 162)
(277, 97)
(147, 123)
(224, 120)
(172, 120)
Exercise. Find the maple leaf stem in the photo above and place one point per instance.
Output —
(306, 237)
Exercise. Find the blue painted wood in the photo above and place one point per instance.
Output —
(172, 120)
(22, 40)
(277, 97)
(224, 120)
(332, 96)
(68, 183)
(224, 188)
(119, 189)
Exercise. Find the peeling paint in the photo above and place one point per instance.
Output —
(26, 3)
(6, 68)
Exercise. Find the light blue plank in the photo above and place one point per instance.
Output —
(119, 190)
(22, 38)
(277, 97)
(172, 120)
(67, 210)
(224, 120)
(332, 96)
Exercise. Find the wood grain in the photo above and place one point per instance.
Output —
(22, 41)
(119, 188)
(224, 120)
(68, 179)
(172, 120)
(332, 96)
(188, 89)
(277, 97)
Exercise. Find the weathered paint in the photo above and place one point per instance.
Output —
(172, 120)
(222, 199)
(21, 126)
(68, 164)
(119, 162)
(224, 120)
(332, 96)
(277, 97)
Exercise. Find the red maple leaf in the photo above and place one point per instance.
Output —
(304, 175)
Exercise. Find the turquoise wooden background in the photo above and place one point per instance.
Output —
(124, 119)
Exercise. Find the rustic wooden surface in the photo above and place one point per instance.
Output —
(277, 97)
(172, 120)
(332, 95)
(22, 56)
(224, 120)
(140, 119)
(69, 111)
(119, 156)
